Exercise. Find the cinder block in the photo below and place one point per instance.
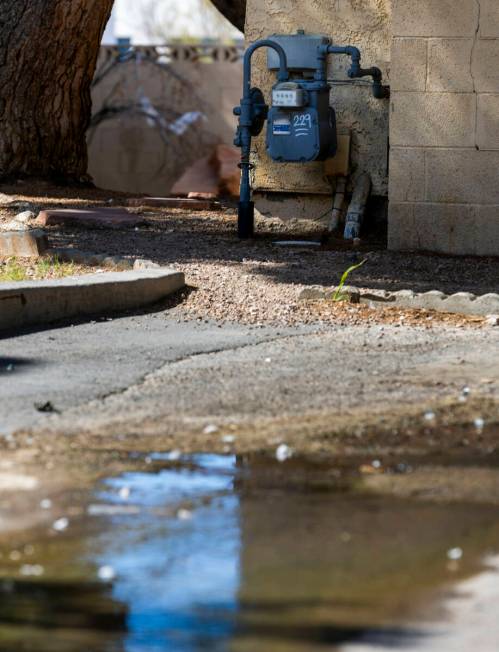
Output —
(441, 228)
(446, 228)
(433, 119)
(408, 67)
(401, 231)
(488, 122)
(485, 66)
(449, 65)
(435, 18)
(489, 19)
(466, 176)
(487, 230)
(407, 174)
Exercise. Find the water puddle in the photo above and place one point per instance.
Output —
(243, 554)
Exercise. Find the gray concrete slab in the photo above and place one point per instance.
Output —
(39, 302)
(72, 365)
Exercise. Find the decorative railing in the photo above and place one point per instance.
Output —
(165, 54)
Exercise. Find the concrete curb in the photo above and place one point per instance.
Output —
(27, 303)
(463, 303)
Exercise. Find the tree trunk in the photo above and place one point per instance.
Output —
(233, 10)
(48, 53)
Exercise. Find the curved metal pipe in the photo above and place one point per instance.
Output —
(246, 207)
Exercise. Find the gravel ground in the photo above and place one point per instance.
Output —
(257, 282)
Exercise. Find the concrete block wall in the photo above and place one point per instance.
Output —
(444, 126)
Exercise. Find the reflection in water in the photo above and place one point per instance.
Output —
(217, 553)
(179, 579)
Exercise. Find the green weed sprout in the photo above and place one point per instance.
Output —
(338, 296)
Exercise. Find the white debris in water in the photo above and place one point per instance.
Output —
(228, 439)
(106, 573)
(268, 360)
(466, 391)
(173, 455)
(210, 429)
(124, 493)
(46, 503)
(61, 524)
(376, 464)
(184, 514)
(454, 554)
(148, 460)
(111, 510)
(479, 423)
(34, 570)
(430, 416)
(283, 452)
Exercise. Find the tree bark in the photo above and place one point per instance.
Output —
(233, 10)
(48, 54)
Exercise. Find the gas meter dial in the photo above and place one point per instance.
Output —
(289, 95)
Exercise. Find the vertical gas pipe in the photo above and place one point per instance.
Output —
(247, 115)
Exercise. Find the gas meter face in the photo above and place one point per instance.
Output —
(293, 135)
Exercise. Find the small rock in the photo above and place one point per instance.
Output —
(210, 429)
(46, 407)
(283, 453)
(46, 503)
(25, 217)
(144, 263)
(492, 320)
(479, 423)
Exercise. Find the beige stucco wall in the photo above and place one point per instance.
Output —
(127, 152)
(364, 23)
(444, 126)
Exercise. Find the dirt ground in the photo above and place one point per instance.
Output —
(258, 282)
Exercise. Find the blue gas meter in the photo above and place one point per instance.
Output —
(301, 124)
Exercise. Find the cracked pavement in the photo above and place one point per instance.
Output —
(155, 375)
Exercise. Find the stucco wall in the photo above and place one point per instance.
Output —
(128, 151)
(364, 23)
(444, 126)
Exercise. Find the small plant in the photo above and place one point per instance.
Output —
(12, 270)
(338, 296)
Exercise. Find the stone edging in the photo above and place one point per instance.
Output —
(463, 303)
(28, 303)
